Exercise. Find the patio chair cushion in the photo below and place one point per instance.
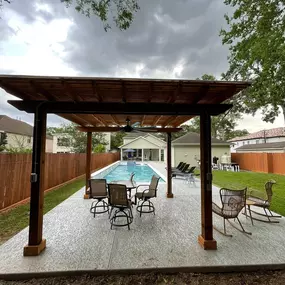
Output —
(140, 195)
(98, 197)
(258, 201)
(218, 210)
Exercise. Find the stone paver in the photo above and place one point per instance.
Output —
(77, 241)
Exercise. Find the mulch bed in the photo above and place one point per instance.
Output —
(250, 278)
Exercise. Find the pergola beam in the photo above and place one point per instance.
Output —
(117, 129)
(117, 108)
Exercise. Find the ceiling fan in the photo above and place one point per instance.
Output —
(132, 128)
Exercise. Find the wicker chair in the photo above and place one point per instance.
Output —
(98, 191)
(122, 206)
(232, 203)
(144, 204)
(262, 201)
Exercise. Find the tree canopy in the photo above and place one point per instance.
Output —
(79, 139)
(256, 39)
(120, 11)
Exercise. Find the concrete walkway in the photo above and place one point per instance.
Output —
(77, 241)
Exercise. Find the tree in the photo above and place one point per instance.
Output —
(122, 10)
(257, 52)
(117, 139)
(78, 138)
(99, 148)
(236, 133)
(3, 141)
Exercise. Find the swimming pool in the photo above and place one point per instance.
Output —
(143, 173)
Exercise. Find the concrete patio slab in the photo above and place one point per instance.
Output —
(77, 241)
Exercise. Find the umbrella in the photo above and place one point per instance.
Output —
(129, 150)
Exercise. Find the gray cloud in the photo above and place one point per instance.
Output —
(163, 34)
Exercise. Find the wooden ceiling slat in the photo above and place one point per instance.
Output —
(41, 91)
(67, 90)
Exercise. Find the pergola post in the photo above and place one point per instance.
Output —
(206, 238)
(36, 242)
(169, 178)
(121, 154)
(88, 163)
(142, 155)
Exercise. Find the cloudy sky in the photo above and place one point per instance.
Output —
(168, 39)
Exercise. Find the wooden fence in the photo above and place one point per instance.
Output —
(15, 171)
(261, 162)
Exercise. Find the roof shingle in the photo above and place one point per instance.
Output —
(271, 133)
(13, 126)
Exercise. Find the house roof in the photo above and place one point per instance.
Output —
(271, 133)
(13, 126)
(194, 138)
(275, 145)
(138, 138)
(123, 93)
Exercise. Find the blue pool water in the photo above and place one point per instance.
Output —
(143, 173)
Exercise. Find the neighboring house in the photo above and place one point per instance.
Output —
(261, 137)
(20, 134)
(62, 143)
(187, 149)
(146, 147)
(262, 147)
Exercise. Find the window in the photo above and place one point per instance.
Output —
(28, 140)
(162, 155)
(257, 141)
(247, 142)
(63, 142)
(243, 143)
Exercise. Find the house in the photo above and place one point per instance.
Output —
(20, 134)
(187, 149)
(62, 143)
(274, 135)
(143, 146)
(263, 147)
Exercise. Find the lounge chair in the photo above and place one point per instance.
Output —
(121, 205)
(144, 204)
(232, 203)
(98, 191)
(262, 201)
(177, 172)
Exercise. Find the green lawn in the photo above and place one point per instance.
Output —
(256, 181)
(17, 219)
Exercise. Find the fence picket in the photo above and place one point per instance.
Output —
(15, 170)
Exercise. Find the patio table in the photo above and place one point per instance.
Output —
(129, 185)
(249, 203)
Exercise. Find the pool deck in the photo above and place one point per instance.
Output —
(77, 241)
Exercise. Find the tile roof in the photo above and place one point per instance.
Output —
(271, 133)
(194, 138)
(13, 126)
(275, 145)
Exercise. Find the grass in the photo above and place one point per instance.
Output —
(253, 181)
(15, 220)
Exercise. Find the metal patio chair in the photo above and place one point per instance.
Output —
(144, 203)
(232, 203)
(98, 191)
(121, 205)
(262, 200)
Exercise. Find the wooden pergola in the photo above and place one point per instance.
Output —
(103, 105)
